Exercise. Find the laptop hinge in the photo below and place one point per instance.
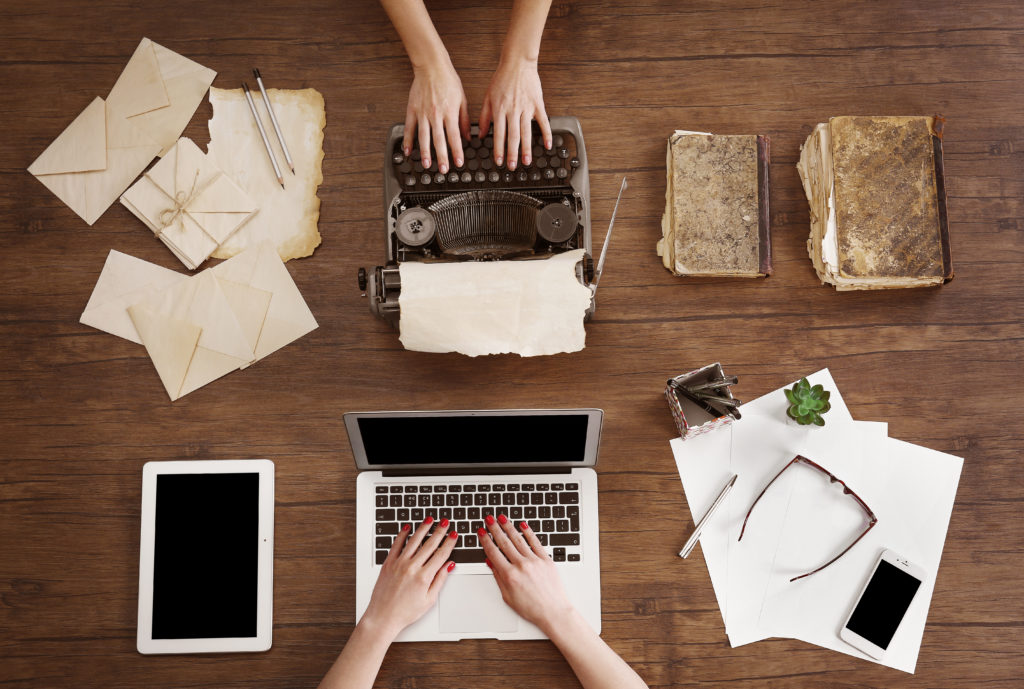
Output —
(391, 473)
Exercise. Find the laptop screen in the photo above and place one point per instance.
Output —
(521, 437)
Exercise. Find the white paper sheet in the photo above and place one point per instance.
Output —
(910, 489)
(528, 308)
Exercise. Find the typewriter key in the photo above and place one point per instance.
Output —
(522, 175)
(415, 155)
(493, 176)
(575, 162)
(453, 177)
(549, 174)
(479, 176)
(410, 180)
(466, 177)
(562, 173)
(507, 177)
(487, 163)
(470, 153)
(541, 162)
(425, 178)
(535, 176)
(398, 158)
(415, 226)
(473, 164)
(405, 167)
(556, 222)
(557, 140)
(563, 153)
(417, 167)
(439, 178)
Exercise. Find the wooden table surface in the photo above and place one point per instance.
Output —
(81, 411)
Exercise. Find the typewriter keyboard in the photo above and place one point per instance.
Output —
(551, 509)
(552, 168)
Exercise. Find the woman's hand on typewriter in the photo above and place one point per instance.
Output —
(513, 99)
(437, 111)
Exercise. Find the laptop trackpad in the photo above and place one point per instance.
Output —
(472, 603)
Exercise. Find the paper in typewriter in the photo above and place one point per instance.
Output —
(875, 209)
(288, 217)
(529, 308)
(715, 221)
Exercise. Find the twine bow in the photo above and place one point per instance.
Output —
(181, 200)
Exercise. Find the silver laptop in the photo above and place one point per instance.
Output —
(533, 465)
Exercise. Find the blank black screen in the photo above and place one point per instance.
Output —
(474, 439)
(205, 565)
(885, 601)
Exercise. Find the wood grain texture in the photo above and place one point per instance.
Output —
(81, 411)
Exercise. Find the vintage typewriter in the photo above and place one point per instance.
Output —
(482, 211)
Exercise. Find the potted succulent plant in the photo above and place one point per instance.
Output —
(807, 403)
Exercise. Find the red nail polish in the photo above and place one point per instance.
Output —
(502, 519)
(489, 519)
(524, 526)
(489, 564)
(428, 520)
(451, 566)
(444, 523)
(481, 532)
(453, 535)
(405, 527)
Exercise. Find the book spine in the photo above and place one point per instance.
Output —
(940, 199)
(763, 216)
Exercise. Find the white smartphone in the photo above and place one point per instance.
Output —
(882, 604)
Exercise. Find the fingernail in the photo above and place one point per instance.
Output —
(502, 519)
(444, 523)
(428, 520)
(458, 162)
(451, 566)
(481, 532)
(524, 526)
(453, 535)
(405, 527)
(426, 162)
(511, 165)
(499, 160)
(488, 563)
(443, 168)
(489, 519)
(547, 144)
(407, 150)
(526, 160)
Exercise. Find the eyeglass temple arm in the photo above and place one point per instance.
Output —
(874, 521)
(761, 494)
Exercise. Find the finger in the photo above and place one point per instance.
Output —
(424, 142)
(512, 147)
(532, 539)
(495, 559)
(419, 535)
(443, 552)
(409, 132)
(499, 139)
(485, 119)
(440, 146)
(502, 541)
(430, 545)
(545, 126)
(396, 545)
(451, 126)
(522, 547)
(527, 134)
(464, 120)
(440, 578)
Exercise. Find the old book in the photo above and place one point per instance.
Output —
(877, 202)
(716, 206)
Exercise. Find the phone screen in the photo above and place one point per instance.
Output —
(885, 601)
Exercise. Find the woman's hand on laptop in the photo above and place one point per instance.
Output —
(411, 577)
(526, 575)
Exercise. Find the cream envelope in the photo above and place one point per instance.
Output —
(159, 91)
(125, 280)
(189, 203)
(194, 335)
(287, 318)
(94, 160)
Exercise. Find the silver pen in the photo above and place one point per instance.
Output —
(692, 541)
(273, 120)
(263, 133)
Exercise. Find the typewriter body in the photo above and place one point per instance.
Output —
(481, 211)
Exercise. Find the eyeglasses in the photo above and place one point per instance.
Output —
(832, 479)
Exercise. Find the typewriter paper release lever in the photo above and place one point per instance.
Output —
(607, 237)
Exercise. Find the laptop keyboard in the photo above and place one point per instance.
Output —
(551, 509)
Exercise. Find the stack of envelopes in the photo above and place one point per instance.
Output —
(197, 329)
(189, 203)
(112, 141)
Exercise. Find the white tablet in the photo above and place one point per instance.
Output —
(206, 559)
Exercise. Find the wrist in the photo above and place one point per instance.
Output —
(431, 59)
(562, 623)
(377, 629)
(518, 59)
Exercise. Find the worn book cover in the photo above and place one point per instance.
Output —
(878, 207)
(716, 212)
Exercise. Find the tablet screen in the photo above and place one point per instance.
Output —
(205, 568)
